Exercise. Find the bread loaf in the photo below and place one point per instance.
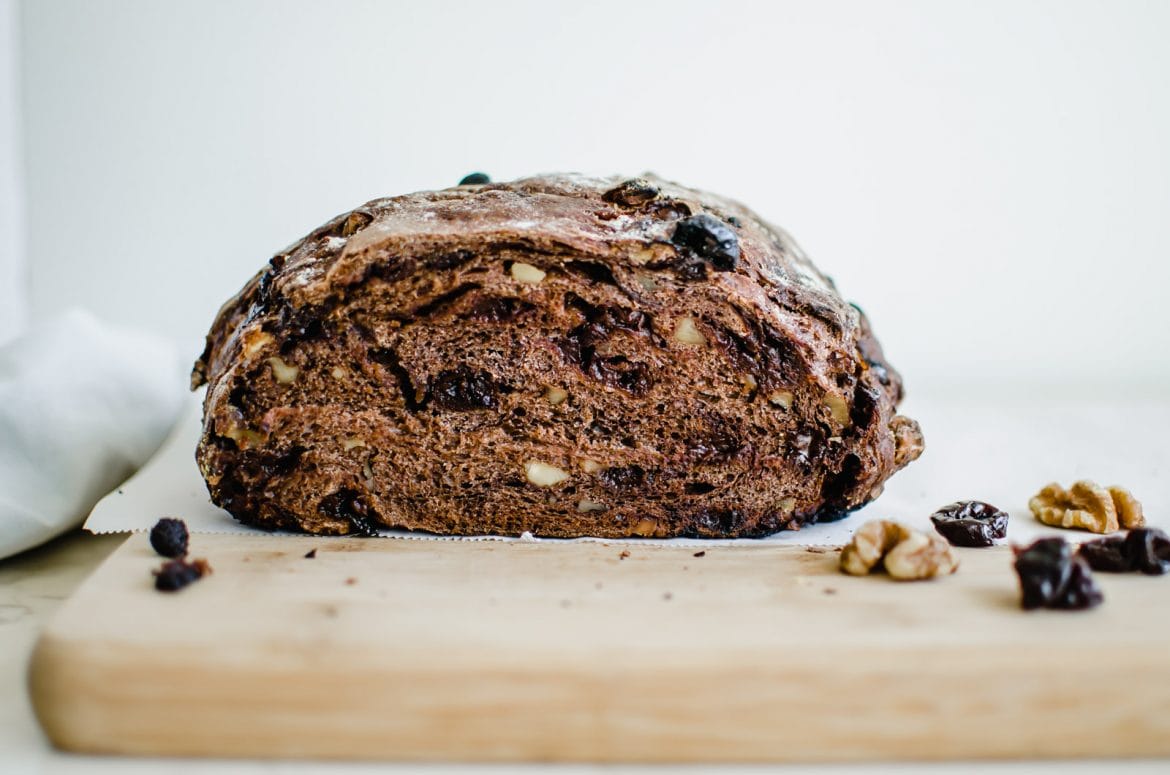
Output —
(562, 355)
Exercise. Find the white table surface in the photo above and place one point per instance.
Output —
(995, 449)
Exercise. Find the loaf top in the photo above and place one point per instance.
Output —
(619, 221)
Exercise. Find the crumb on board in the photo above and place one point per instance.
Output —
(623, 555)
(350, 581)
(310, 554)
(816, 549)
(702, 553)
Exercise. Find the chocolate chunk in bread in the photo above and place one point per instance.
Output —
(561, 355)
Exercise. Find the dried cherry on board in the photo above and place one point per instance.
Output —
(169, 537)
(1144, 549)
(970, 523)
(1051, 576)
(176, 574)
(1107, 554)
(1149, 550)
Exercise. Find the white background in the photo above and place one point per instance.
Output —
(12, 279)
(991, 181)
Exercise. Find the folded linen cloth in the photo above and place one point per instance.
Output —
(83, 404)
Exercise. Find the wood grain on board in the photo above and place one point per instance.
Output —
(453, 650)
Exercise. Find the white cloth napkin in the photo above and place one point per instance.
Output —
(83, 404)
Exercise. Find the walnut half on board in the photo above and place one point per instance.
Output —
(1087, 506)
(904, 553)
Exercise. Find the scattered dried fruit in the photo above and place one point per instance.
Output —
(1088, 506)
(1051, 576)
(1144, 549)
(970, 523)
(310, 554)
(904, 553)
(176, 574)
(701, 553)
(169, 537)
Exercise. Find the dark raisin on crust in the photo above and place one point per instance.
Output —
(710, 239)
(475, 179)
(970, 523)
(169, 537)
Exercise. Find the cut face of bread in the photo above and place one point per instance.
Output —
(560, 355)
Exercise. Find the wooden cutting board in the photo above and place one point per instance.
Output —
(402, 649)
